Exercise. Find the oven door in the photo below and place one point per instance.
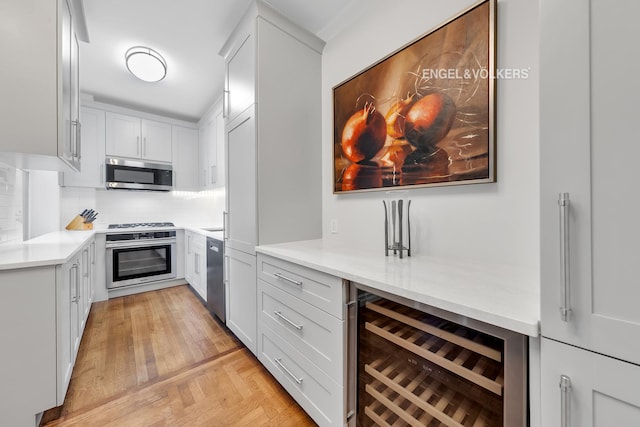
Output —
(135, 262)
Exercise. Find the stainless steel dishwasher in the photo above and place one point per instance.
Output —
(215, 277)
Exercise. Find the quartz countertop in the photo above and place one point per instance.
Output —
(59, 246)
(501, 295)
(48, 249)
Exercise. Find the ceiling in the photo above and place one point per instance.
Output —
(188, 34)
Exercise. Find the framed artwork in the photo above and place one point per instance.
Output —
(424, 115)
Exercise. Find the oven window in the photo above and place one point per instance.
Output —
(132, 263)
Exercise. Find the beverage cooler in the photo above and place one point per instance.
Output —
(412, 364)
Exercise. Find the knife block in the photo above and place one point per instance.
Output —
(78, 223)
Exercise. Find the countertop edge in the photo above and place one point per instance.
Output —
(529, 327)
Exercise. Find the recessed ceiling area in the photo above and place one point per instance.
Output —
(188, 34)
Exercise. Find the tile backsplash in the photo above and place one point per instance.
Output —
(11, 204)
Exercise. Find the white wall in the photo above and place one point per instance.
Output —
(497, 222)
(44, 203)
(183, 208)
(11, 204)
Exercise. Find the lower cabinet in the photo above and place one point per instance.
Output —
(585, 389)
(195, 262)
(301, 334)
(74, 295)
(240, 288)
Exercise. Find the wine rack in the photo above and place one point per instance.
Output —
(418, 369)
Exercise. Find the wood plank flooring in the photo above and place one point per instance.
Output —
(160, 359)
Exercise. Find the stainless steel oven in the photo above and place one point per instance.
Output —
(140, 257)
(137, 175)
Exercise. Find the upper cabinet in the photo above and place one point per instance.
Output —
(240, 81)
(211, 131)
(39, 85)
(185, 157)
(133, 137)
(92, 174)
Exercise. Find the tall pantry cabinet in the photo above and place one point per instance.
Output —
(272, 108)
(590, 205)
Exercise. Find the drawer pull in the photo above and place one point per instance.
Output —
(296, 379)
(288, 279)
(280, 315)
(565, 391)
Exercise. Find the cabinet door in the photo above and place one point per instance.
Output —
(122, 135)
(598, 390)
(241, 183)
(66, 149)
(216, 165)
(92, 142)
(589, 150)
(241, 77)
(205, 152)
(156, 141)
(189, 258)
(68, 323)
(185, 156)
(241, 291)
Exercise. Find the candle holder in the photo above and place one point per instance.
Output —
(397, 227)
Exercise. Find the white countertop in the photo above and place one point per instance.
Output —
(500, 295)
(49, 249)
(59, 246)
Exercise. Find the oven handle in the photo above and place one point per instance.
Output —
(139, 243)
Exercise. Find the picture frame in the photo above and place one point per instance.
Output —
(424, 115)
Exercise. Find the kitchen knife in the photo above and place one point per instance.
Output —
(84, 212)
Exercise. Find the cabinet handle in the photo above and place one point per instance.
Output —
(280, 315)
(76, 297)
(283, 277)
(196, 260)
(137, 145)
(296, 379)
(225, 94)
(565, 392)
(144, 147)
(565, 303)
(225, 214)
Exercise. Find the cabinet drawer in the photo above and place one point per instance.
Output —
(320, 397)
(313, 332)
(318, 289)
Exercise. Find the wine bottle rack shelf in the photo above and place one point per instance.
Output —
(478, 369)
(403, 396)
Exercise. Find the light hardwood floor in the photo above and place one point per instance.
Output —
(160, 359)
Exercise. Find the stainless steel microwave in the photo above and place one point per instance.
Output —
(137, 175)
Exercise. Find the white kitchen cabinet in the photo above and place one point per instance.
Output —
(588, 152)
(240, 291)
(28, 368)
(581, 388)
(273, 176)
(74, 296)
(196, 262)
(211, 132)
(301, 335)
(133, 137)
(39, 120)
(93, 154)
(186, 154)
(589, 209)
(68, 315)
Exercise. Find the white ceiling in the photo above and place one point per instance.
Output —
(188, 33)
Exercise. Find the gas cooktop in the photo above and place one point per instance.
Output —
(142, 225)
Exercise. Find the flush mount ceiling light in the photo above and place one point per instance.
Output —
(146, 64)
